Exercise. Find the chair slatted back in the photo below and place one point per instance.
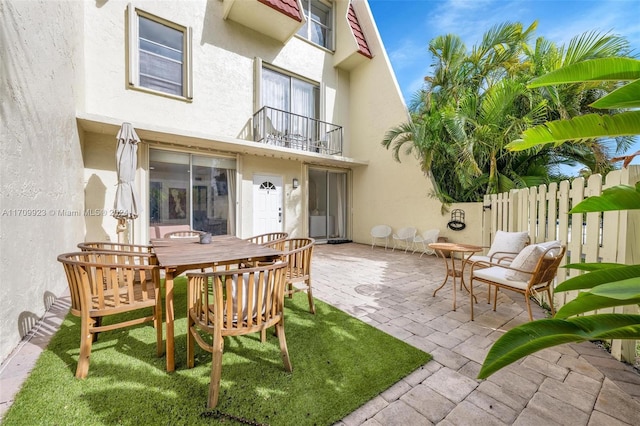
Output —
(107, 283)
(547, 266)
(109, 246)
(272, 239)
(183, 234)
(239, 301)
(103, 283)
(298, 252)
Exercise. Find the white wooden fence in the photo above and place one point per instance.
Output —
(593, 237)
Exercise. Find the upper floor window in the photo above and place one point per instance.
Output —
(290, 94)
(319, 25)
(159, 54)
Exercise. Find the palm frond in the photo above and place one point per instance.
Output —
(583, 127)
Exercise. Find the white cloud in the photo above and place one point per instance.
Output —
(612, 16)
(410, 52)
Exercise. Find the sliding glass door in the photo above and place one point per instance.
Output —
(194, 190)
(327, 204)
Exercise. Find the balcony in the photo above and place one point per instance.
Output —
(281, 128)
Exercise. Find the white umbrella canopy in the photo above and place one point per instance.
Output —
(126, 204)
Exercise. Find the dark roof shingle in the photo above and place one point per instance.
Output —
(363, 46)
(287, 7)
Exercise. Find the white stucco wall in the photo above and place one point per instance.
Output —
(366, 101)
(41, 158)
(224, 54)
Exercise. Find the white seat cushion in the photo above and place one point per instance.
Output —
(510, 242)
(497, 274)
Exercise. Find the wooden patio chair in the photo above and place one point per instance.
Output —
(183, 234)
(272, 239)
(532, 270)
(108, 283)
(297, 252)
(233, 303)
(109, 246)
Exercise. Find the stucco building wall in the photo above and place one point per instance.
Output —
(42, 191)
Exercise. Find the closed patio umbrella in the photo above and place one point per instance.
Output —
(125, 206)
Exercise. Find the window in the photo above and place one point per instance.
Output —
(319, 25)
(292, 102)
(289, 94)
(159, 55)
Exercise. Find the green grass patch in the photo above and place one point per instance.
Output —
(339, 363)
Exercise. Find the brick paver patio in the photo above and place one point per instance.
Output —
(566, 385)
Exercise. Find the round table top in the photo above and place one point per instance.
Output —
(455, 247)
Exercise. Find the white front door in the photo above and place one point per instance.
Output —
(267, 204)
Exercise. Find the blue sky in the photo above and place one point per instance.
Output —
(407, 26)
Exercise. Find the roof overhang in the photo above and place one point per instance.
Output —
(179, 138)
(274, 18)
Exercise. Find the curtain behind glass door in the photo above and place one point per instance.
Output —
(192, 190)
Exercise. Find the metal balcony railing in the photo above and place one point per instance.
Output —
(281, 128)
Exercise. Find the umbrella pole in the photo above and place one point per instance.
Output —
(121, 230)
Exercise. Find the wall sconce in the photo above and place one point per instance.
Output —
(295, 183)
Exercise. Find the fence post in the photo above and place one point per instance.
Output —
(629, 254)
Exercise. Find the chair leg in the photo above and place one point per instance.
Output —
(263, 335)
(97, 323)
(553, 311)
(86, 339)
(471, 296)
(216, 371)
(495, 298)
(157, 323)
(283, 346)
(526, 296)
(312, 306)
(190, 342)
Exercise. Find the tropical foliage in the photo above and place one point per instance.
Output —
(476, 102)
(604, 285)
(626, 123)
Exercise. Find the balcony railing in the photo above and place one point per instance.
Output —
(281, 128)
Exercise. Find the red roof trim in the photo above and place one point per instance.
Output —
(286, 7)
(356, 29)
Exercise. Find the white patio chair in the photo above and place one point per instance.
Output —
(380, 231)
(421, 242)
(404, 236)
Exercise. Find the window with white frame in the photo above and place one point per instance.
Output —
(159, 54)
(291, 101)
(289, 93)
(319, 26)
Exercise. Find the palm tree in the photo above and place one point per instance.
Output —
(474, 104)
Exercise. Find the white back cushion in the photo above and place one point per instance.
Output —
(510, 242)
(555, 245)
(526, 260)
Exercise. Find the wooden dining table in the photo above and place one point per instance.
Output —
(178, 255)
